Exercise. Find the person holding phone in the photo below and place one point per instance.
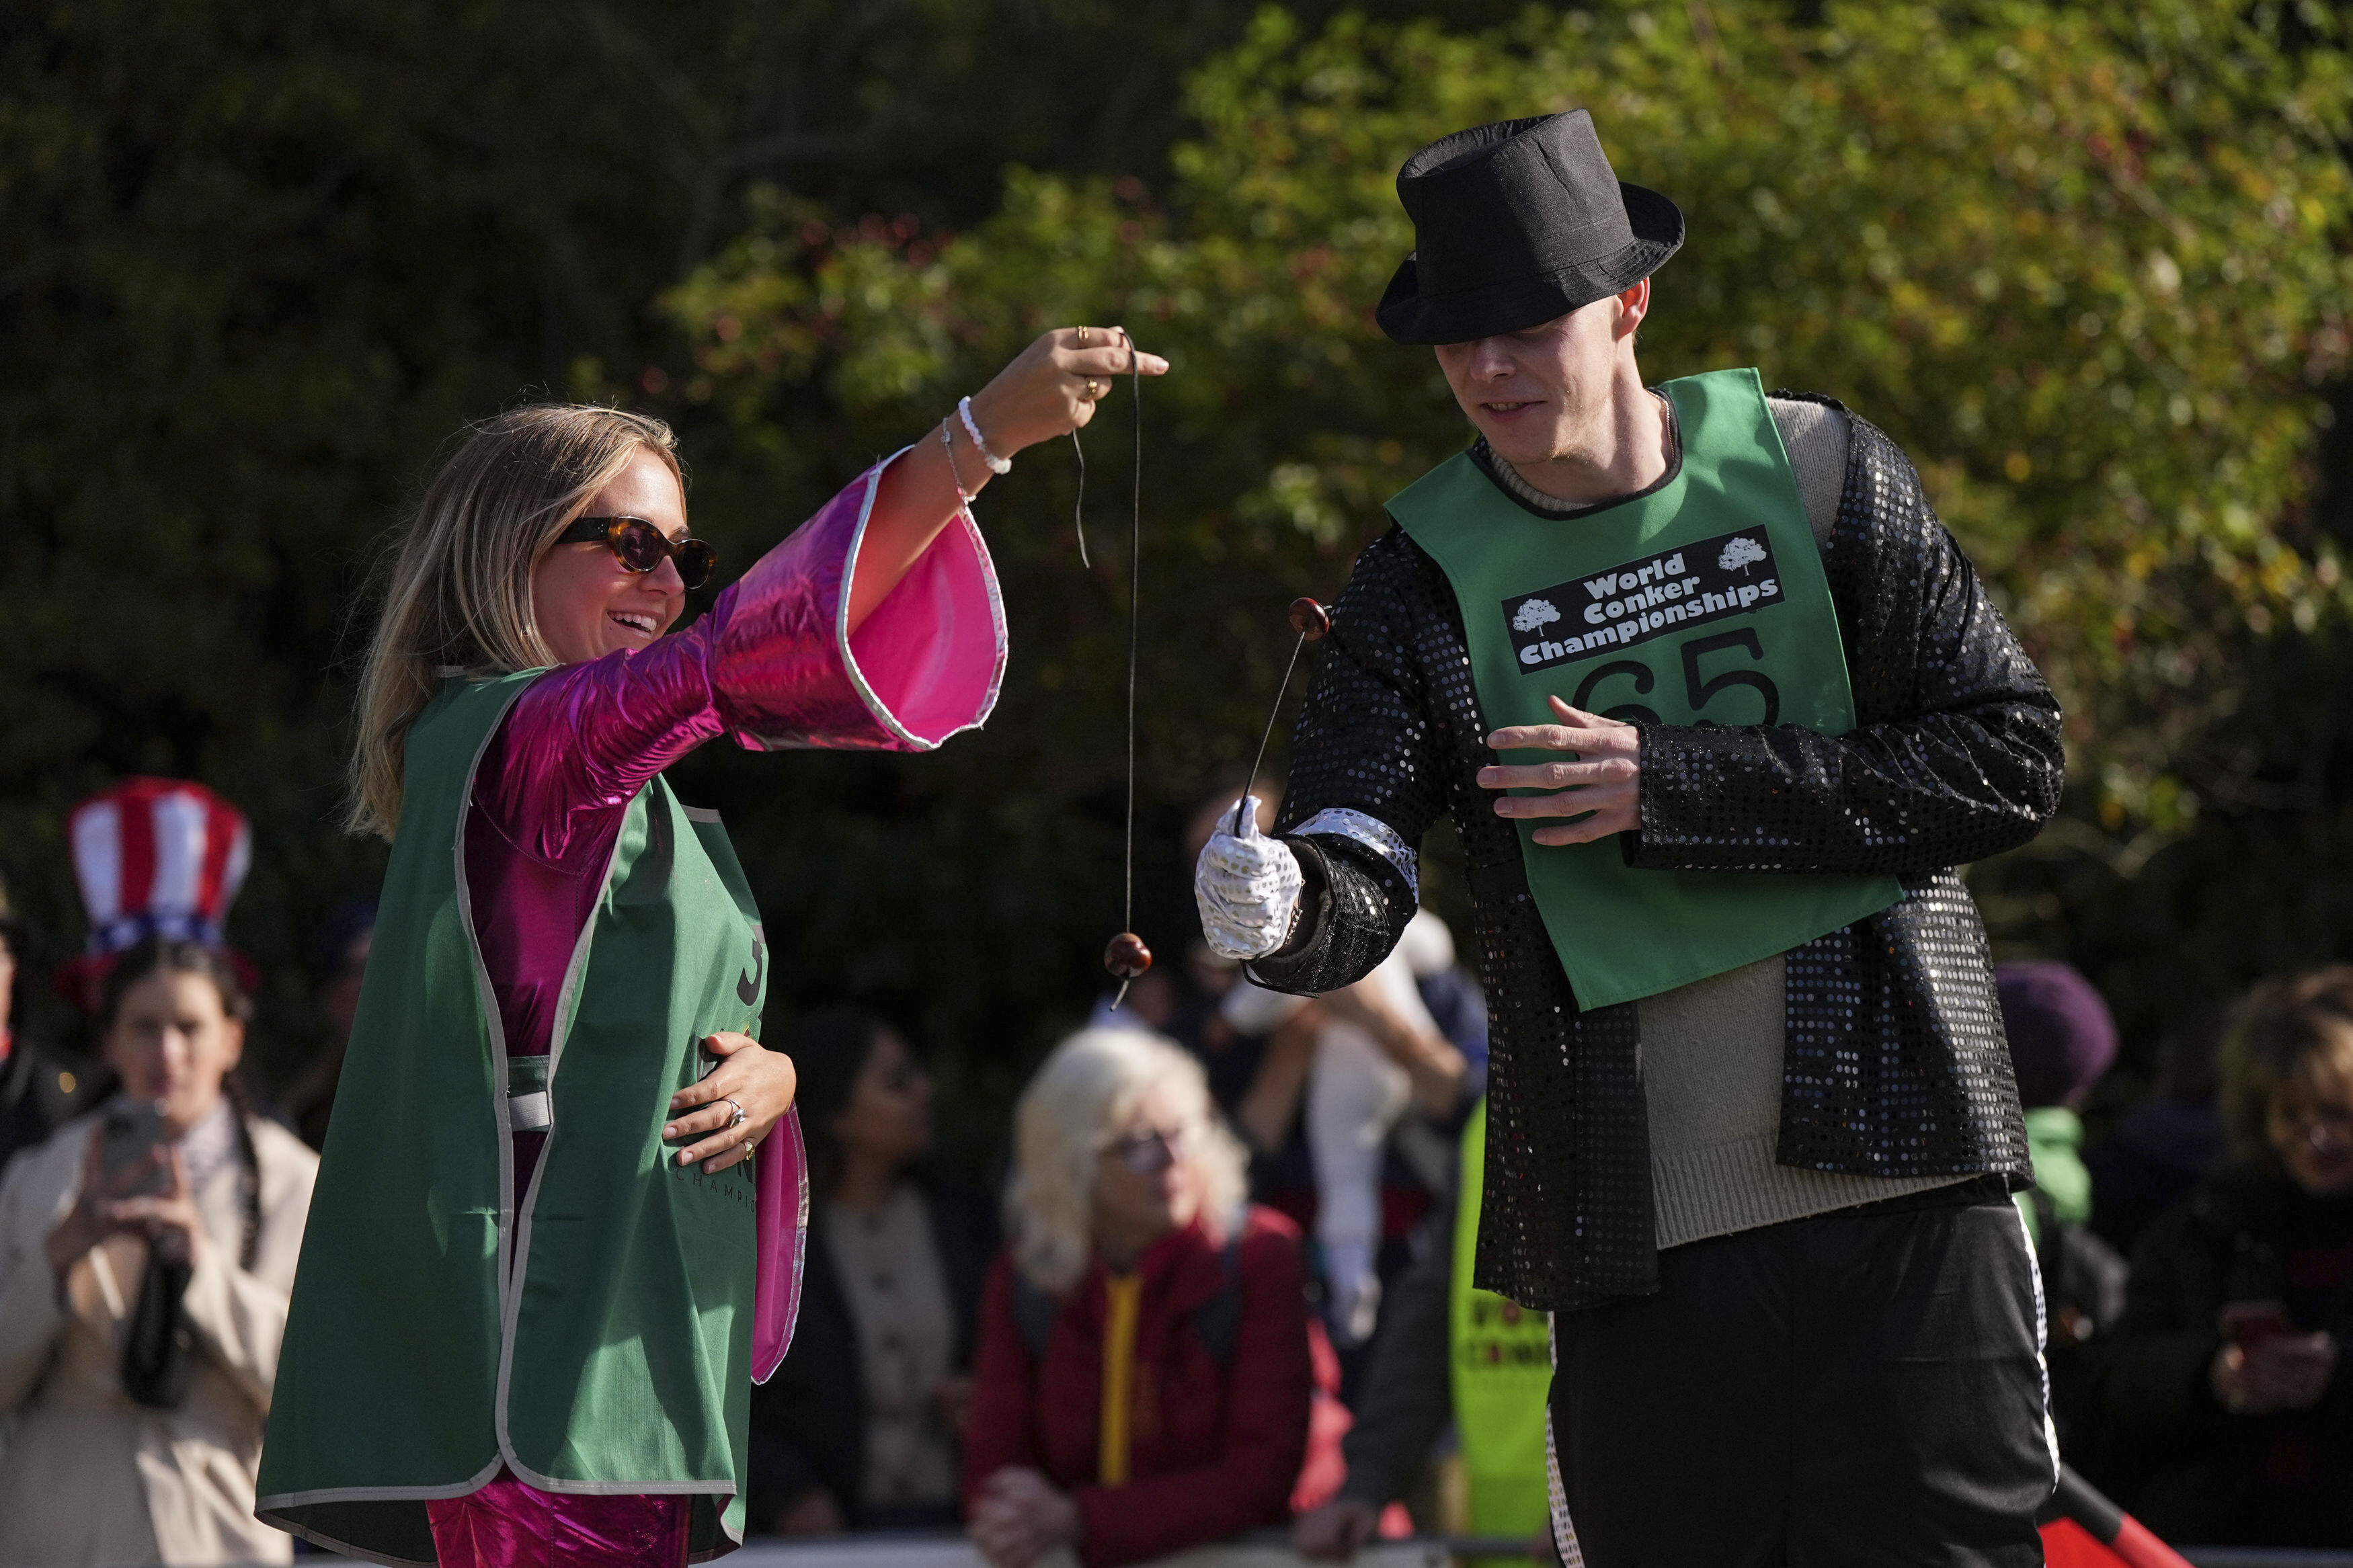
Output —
(546, 1269)
(1716, 708)
(147, 1252)
(2228, 1410)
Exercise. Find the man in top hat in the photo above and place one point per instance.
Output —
(1717, 707)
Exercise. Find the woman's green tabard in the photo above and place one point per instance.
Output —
(596, 1340)
(1703, 602)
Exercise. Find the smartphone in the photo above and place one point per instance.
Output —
(2247, 1324)
(133, 1131)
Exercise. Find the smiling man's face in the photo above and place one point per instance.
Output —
(1538, 395)
(587, 603)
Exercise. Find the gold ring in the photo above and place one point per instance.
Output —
(1094, 390)
(1083, 337)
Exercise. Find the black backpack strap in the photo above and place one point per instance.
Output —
(1222, 1314)
(1033, 1314)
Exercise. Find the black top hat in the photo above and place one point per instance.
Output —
(1516, 223)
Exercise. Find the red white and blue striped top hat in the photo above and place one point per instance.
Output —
(155, 858)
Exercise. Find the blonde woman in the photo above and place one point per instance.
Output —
(1144, 1378)
(543, 1270)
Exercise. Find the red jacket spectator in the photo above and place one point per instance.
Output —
(1215, 1443)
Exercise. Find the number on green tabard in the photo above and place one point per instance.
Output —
(1628, 712)
(1701, 692)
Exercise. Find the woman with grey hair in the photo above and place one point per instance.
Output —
(1144, 1378)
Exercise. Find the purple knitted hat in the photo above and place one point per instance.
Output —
(2061, 1036)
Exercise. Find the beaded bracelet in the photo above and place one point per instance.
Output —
(997, 465)
(964, 495)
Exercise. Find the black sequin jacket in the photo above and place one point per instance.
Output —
(1894, 1063)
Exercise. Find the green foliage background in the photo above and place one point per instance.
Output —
(258, 263)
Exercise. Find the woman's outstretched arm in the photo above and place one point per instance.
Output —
(780, 660)
(1051, 390)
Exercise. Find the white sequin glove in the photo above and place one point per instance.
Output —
(1248, 887)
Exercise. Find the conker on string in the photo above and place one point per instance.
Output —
(1310, 619)
(1126, 956)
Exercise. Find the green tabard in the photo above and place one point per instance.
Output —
(1703, 602)
(615, 1356)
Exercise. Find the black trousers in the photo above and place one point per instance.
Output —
(1858, 1390)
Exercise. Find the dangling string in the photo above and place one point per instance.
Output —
(1134, 604)
(1127, 956)
(1079, 506)
(1264, 741)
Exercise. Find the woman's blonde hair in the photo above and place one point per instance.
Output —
(2292, 1036)
(459, 591)
(1073, 1108)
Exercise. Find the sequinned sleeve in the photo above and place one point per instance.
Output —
(1366, 779)
(1955, 755)
(770, 665)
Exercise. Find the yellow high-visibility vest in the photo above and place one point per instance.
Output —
(1501, 1368)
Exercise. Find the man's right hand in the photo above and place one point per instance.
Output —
(1336, 1532)
(1248, 887)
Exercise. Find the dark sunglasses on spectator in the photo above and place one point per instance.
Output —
(640, 546)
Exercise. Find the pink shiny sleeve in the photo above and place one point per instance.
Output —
(771, 666)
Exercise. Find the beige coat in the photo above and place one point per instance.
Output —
(88, 1476)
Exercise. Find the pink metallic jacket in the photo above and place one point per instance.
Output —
(769, 665)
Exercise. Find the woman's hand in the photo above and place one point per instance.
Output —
(168, 1216)
(170, 1219)
(1603, 785)
(84, 1226)
(1050, 389)
(2286, 1372)
(1052, 386)
(760, 1080)
(1021, 1517)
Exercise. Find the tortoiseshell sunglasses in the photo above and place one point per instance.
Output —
(640, 546)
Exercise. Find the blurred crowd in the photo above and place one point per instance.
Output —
(1221, 1280)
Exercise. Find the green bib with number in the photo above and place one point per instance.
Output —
(1702, 603)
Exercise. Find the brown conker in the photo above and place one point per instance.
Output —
(1126, 956)
(1310, 619)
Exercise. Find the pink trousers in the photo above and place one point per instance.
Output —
(509, 1524)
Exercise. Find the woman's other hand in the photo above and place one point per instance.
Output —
(1601, 787)
(1052, 386)
(760, 1080)
(1021, 1517)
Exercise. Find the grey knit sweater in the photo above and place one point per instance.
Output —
(1712, 1050)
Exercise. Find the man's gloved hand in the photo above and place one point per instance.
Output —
(1248, 887)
